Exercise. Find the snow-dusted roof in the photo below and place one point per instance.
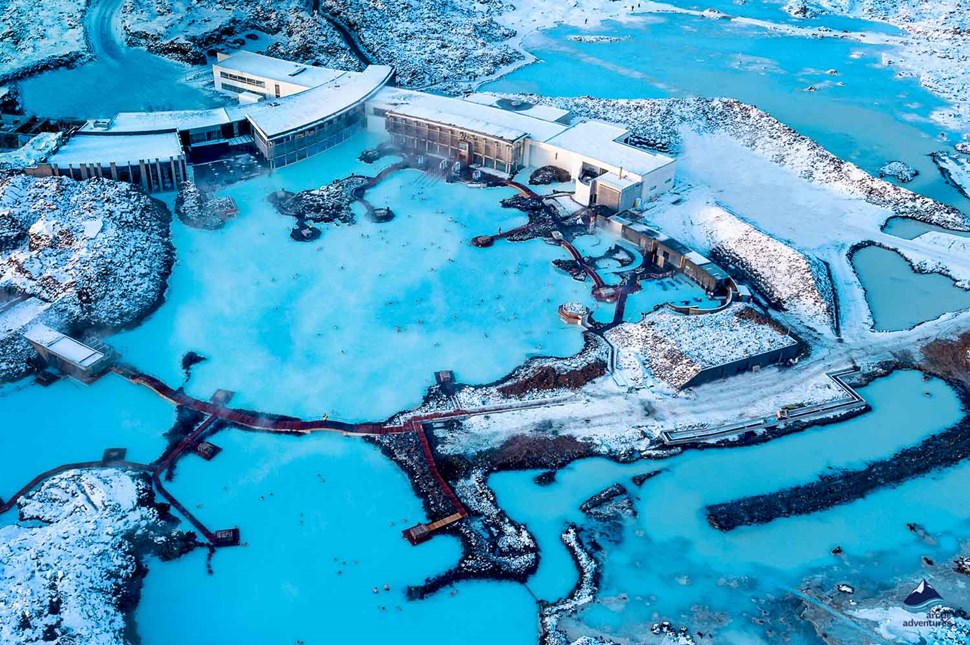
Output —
(63, 346)
(598, 141)
(619, 183)
(468, 123)
(543, 112)
(278, 116)
(118, 148)
(277, 69)
(145, 122)
(409, 102)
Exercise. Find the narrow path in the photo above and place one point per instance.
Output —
(10, 503)
(350, 38)
(254, 420)
(102, 30)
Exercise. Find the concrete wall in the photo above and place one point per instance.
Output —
(730, 369)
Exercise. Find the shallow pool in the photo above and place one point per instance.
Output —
(356, 323)
(900, 298)
(671, 560)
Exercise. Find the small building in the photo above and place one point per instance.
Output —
(665, 252)
(71, 356)
(247, 72)
(156, 162)
(609, 172)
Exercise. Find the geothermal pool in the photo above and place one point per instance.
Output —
(864, 113)
(356, 323)
(898, 297)
(671, 560)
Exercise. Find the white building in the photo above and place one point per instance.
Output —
(607, 170)
(483, 131)
(290, 111)
(156, 162)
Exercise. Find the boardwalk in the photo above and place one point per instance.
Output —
(247, 419)
(215, 412)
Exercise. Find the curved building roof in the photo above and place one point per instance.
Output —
(277, 117)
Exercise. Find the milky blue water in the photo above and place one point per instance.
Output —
(67, 422)
(356, 323)
(864, 113)
(671, 559)
(909, 229)
(119, 78)
(898, 297)
(321, 519)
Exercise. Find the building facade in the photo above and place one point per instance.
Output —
(156, 162)
(458, 143)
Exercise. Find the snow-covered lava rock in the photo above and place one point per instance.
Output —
(39, 35)
(678, 347)
(791, 280)
(98, 252)
(426, 42)
(956, 170)
(899, 170)
(72, 566)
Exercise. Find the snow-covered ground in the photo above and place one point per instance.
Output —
(956, 169)
(678, 347)
(36, 150)
(37, 35)
(71, 562)
(800, 282)
(185, 29)
(98, 251)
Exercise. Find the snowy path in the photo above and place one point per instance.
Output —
(102, 26)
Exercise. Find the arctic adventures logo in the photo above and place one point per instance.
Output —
(925, 597)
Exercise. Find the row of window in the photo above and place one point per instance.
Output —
(241, 79)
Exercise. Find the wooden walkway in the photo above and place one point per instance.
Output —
(216, 412)
(247, 419)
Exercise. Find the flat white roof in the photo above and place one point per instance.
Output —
(543, 112)
(63, 346)
(143, 122)
(277, 69)
(619, 183)
(118, 148)
(275, 117)
(464, 122)
(406, 101)
(598, 142)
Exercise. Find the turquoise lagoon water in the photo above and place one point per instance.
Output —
(305, 328)
(900, 298)
(119, 78)
(671, 560)
(69, 422)
(871, 118)
(909, 229)
(321, 519)
(356, 323)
